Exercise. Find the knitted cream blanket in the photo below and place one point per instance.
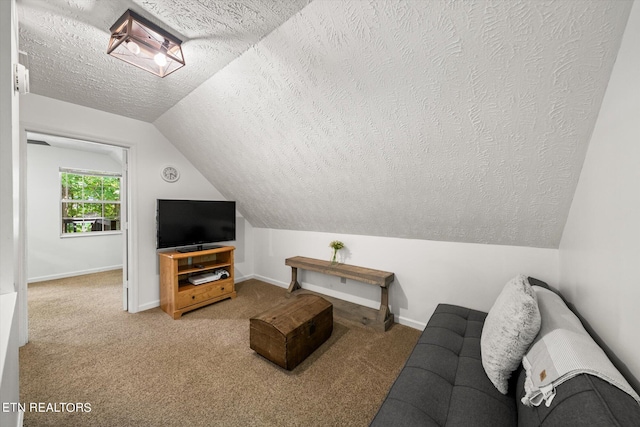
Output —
(562, 350)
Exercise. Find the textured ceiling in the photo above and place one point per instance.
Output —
(66, 43)
(443, 120)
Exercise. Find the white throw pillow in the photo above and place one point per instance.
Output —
(509, 329)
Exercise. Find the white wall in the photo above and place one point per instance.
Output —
(51, 256)
(9, 370)
(426, 272)
(9, 145)
(600, 247)
(150, 152)
(11, 265)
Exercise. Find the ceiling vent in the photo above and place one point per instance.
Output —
(38, 142)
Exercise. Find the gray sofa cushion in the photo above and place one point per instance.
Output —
(443, 381)
(585, 401)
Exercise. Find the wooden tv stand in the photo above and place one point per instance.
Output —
(178, 295)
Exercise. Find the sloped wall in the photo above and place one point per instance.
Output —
(454, 121)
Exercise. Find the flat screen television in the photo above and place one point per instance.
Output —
(196, 223)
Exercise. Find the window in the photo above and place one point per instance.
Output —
(90, 201)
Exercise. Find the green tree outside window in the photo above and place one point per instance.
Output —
(90, 202)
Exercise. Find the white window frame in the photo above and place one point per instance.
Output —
(103, 202)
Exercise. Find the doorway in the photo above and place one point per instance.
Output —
(67, 234)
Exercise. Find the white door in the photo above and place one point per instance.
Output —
(124, 225)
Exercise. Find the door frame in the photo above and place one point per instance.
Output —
(130, 285)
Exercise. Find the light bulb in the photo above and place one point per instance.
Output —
(133, 47)
(160, 59)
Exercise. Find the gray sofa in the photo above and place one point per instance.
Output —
(443, 383)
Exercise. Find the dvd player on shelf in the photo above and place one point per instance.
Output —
(200, 279)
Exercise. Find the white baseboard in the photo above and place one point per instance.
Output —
(350, 298)
(243, 278)
(329, 292)
(73, 273)
(410, 323)
(271, 281)
(341, 295)
(148, 306)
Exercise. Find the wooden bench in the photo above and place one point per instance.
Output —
(382, 319)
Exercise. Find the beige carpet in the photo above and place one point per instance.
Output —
(147, 369)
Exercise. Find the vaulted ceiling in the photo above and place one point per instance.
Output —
(66, 44)
(464, 121)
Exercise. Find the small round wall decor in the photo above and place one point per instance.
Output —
(170, 174)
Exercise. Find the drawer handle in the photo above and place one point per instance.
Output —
(193, 297)
(222, 289)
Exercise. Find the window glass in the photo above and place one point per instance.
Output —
(90, 201)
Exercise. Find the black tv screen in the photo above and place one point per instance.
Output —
(194, 222)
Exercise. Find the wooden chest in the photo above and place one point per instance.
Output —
(288, 333)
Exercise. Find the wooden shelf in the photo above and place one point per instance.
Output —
(383, 318)
(177, 295)
(348, 271)
(206, 266)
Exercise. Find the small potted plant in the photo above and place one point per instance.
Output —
(336, 245)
